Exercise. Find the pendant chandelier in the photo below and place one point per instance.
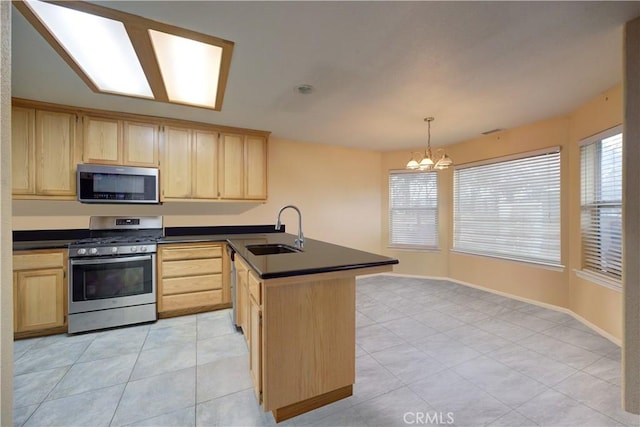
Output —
(426, 161)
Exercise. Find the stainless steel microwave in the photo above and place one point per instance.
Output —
(117, 184)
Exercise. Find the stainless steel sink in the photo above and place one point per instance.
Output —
(272, 249)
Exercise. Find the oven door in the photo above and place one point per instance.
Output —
(104, 283)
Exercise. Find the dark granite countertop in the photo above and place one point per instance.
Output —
(199, 238)
(317, 256)
(216, 233)
(46, 239)
(24, 240)
(41, 244)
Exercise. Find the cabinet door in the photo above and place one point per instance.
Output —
(140, 144)
(241, 279)
(176, 165)
(256, 168)
(226, 276)
(55, 153)
(241, 301)
(15, 302)
(39, 299)
(255, 348)
(23, 160)
(102, 140)
(231, 166)
(205, 167)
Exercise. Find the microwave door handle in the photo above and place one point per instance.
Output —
(110, 261)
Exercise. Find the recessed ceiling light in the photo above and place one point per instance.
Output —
(304, 89)
(119, 53)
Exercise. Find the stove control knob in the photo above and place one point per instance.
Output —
(114, 250)
(93, 251)
(82, 251)
(134, 249)
(143, 249)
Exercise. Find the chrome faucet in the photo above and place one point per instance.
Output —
(300, 240)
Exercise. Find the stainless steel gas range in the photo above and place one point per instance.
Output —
(112, 274)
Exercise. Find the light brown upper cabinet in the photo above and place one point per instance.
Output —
(44, 153)
(197, 161)
(231, 166)
(102, 142)
(242, 167)
(141, 147)
(111, 141)
(188, 166)
(255, 167)
(23, 150)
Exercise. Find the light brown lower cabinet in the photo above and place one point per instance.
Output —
(242, 296)
(254, 290)
(192, 278)
(39, 293)
(300, 332)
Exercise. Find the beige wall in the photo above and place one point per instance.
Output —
(335, 188)
(596, 304)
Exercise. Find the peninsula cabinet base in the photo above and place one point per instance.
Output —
(301, 334)
(307, 343)
(307, 405)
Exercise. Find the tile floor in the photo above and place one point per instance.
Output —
(428, 352)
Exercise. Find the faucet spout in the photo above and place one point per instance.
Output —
(300, 240)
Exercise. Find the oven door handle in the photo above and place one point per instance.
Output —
(110, 260)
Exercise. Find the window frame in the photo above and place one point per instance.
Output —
(587, 270)
(435, 210)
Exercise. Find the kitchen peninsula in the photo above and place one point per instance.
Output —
(297, 312)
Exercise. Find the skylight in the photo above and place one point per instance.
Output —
(189, 68)
(118, 53)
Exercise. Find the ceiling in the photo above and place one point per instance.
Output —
(377, 68)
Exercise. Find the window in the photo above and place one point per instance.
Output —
(413, 209)
(601, 204)
(509, 208)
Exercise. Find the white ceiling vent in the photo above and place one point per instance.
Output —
(489, 132)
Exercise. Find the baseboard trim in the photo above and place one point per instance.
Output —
(564, 310)
(310, 404)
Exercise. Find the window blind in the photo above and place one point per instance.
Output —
(413, 209)
(510, 208)
(601, 204)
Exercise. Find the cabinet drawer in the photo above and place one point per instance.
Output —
(33, 261)
(194, 299)
(194, 252)
(196, 267)
(179, 285)
(255, 288)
